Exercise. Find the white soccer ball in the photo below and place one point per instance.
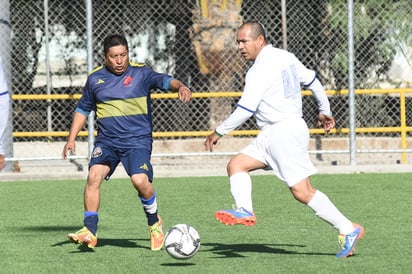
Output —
(182, 241)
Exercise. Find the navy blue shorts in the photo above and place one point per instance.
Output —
(134, 160)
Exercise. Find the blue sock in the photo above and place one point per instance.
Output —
(90, 221)
(152, 218)
(150, 209)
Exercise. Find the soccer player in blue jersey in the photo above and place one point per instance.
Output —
(119, 93)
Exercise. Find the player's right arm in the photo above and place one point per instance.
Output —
(238, 117)
(79, 120)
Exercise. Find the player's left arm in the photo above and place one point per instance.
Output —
(185, 94)
(326, 121)
(325, 118)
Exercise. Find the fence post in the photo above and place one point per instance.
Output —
(48, 74)
(352, 132)
(403, 125)
(89, 29)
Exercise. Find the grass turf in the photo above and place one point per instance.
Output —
(36, 216)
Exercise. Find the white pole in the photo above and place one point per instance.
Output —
(89, 30)
(284, 28)
(351, 84)
(48, 78)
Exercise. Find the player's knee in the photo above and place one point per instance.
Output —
(141, 183)
(300, 197)
(303, 195)
(234, 166)
(95, 178)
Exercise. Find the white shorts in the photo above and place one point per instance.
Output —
(4, 117)
(284, 148)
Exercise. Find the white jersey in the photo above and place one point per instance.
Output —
(272, 90)
(273, 86)
(3, 82)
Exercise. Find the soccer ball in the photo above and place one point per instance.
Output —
(182, 241)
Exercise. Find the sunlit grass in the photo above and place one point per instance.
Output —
(35, 218)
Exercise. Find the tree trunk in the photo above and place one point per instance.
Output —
(213, 36)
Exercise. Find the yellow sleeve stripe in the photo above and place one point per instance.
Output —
(96, 69)
(137, 64)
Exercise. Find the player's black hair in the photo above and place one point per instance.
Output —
(256, 29)
(114, 40)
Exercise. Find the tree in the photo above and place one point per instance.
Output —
(213, 39)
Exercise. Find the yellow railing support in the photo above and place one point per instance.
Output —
(403, 125)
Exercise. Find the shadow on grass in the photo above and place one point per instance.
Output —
(220, 250)
(236, 250)
(48, 228)
(123, 243)
(180, 264)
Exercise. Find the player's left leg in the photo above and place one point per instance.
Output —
(321, 205)
(350, 232)
(137, 163)
(294, 167)
(147, 197)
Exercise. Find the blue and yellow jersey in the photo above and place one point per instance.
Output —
(122, 104)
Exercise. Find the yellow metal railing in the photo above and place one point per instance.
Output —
(403, 128)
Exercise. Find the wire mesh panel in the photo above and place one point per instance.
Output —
(48, 57)
(195, 41)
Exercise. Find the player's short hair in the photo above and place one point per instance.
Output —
(256, 29)
(114, 40)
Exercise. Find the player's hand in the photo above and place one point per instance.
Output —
(2, 161)
(327, 122)
(211, 141)
(69, 149)
(184, 94)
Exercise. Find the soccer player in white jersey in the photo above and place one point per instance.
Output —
(4, 113)
(272, 94)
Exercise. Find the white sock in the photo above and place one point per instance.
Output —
(149, 205)
(328, 212)
(241, 189)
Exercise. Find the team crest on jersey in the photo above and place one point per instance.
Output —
(97, 152)
(127, 81)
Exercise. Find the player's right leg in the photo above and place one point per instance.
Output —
(98, 171)
(239, 216)
(84, 237)
(241, 188)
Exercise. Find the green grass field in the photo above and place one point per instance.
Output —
(36, 216)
